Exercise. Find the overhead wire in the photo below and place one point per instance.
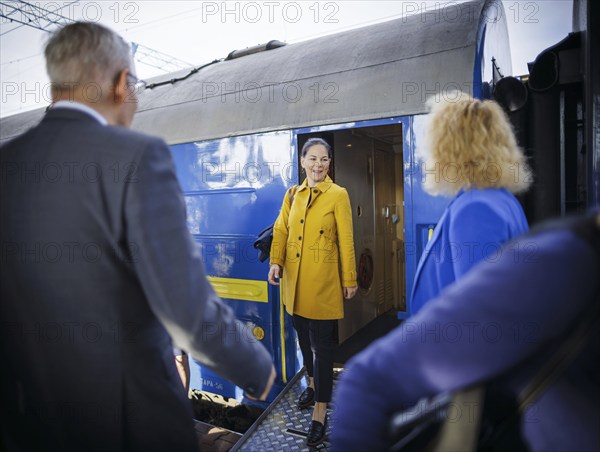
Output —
(158, 21)
(20, 59)
(23, 25)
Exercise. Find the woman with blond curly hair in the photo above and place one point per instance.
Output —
(470, 152)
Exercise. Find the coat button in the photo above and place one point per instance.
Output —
(301, 221)
(321, 231)
(315, 191)
(297, 254)
(300, 238)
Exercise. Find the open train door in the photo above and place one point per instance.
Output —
(368, 163)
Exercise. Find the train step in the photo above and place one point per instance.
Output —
(283, 426)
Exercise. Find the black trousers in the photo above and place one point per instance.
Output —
(316, 338)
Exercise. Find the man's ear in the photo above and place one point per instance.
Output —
(121, 91)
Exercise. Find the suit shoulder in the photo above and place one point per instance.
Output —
(16, 140)
(134, 136)
(131, 142)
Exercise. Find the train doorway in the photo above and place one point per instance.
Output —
(368, 162)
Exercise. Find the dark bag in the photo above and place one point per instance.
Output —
(263, 243)
(265, 237)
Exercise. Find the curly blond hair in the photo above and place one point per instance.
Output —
(468, 144)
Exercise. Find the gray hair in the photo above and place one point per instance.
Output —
(86, 53)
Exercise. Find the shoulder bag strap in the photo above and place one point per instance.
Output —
(292, 194)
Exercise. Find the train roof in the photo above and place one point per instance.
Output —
(378, 71)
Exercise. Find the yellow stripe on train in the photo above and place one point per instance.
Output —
(241, 289)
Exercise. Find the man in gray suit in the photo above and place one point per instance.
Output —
(99, 272)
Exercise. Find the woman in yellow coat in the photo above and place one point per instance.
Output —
(312, 236)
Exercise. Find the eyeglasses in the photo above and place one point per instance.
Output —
(138, 84)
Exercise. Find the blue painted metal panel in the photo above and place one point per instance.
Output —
(207, 380)
(233, 188)
(478, 67)
(492, 42)
(422, 210)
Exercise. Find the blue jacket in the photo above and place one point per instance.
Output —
(502, 316)
(472, 228)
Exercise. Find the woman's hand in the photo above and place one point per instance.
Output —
(349, 292)
(274, 272)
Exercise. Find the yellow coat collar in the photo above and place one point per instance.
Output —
(321, 186)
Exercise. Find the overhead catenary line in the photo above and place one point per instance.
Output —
(35, 16)
(15, 10)
(20, 59)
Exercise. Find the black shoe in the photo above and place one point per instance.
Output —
(307, 398)
(316, 434)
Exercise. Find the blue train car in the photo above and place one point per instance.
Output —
(235, 127)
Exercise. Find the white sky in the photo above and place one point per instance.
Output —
(199, 32)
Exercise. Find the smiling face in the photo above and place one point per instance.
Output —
(316, 164)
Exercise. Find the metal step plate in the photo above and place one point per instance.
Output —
(283, 426)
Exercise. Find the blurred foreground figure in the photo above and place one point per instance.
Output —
(99, 269)
(502, 321)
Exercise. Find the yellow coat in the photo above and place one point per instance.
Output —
(309, 242)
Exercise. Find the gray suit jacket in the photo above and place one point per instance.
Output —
(98, 270)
